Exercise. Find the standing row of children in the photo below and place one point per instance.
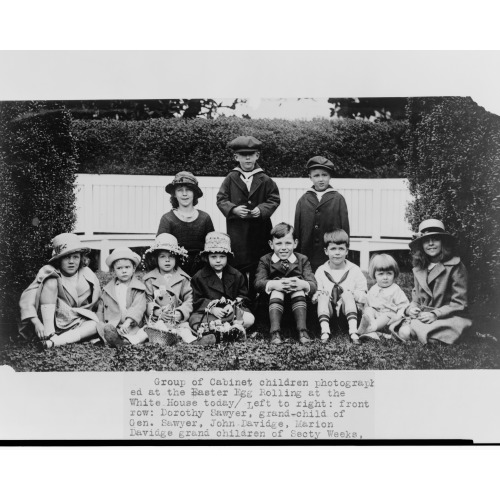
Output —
(64, 304)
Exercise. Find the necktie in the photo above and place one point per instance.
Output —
(285, 264)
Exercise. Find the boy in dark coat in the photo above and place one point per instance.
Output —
(319, 210)
(248, 198)
(284, 273)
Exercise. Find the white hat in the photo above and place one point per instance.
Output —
(430, 227)
(122, 253)
(216, 242)
(168, 242)
(65, 244)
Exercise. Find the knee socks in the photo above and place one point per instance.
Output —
(276, 308)
(324, 321)
(48, 313)
(352, 321)
(299, 309)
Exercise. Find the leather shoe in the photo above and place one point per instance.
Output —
(276, 337)
(304, 337)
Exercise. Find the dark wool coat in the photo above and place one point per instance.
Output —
(269, 270)
(443, 290)
(314, 218)
(109, 311)
(207, 287)
(249, 237)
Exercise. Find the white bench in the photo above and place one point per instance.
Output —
(124, 210)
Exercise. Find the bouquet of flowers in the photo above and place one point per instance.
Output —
(230, 327)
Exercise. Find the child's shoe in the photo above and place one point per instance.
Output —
(369, 336)
(354, 338)
(112, 337)
(324, 337)
(276, 337)
(304, 337)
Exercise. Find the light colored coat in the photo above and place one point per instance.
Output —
(109, 311)
(446, 297)
(83, 306)
(178, 285)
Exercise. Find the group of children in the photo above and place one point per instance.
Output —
(65, 303)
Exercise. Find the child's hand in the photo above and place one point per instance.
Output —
(218, 312)
(255, 212)
(427, 317)
(178, 316)
(39, 328)
(228, 310)
(167, 315)
(314, 298)
(413, 312)
(125, 328)
(241, 211)
(297, 284)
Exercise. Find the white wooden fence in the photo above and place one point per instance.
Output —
(116, 210)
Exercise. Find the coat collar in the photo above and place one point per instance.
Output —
(424, 277)
(213, 281)
(257, 180)
(329, 194)
(159, 279)
(276, 264)
(135, 284)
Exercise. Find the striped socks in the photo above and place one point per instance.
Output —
(276, 308)
(299, 309)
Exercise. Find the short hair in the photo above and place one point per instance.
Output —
(175, 202)
(84, 260)
(282, 229)
(151, 259)
(383, 262)
(337, 236)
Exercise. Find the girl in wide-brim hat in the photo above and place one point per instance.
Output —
(59, 306)
(438, 311)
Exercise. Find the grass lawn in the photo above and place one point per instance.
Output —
(478, 350)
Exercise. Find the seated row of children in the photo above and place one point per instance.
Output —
(65, 303)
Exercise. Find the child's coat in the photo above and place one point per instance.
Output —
(81, 307)
(442, 290)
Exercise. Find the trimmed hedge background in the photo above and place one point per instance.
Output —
(453, 167)
(166, 146)
(37, 199)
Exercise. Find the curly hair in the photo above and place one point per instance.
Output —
(84, 260)
(421, 259)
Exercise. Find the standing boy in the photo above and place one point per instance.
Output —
(319, 210)
(284, 273)
(248, 198)
(342, 285)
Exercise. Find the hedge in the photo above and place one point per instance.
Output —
(164, 147)
(37, 200)
(453, 167)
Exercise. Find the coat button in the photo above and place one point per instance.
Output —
(106, 321)
(316, 226)
(317, 211)
(106, 306)
(249, 202)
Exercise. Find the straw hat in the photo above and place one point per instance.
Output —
(168, 242)
(430, 227)
(186, 179)
(122, 253)
(216, 242)
(65, 244)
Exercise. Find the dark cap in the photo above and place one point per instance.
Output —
(320, 162)
(245, 144)
(184, 179)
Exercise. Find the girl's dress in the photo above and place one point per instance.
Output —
(442, 290)
(77, 298)
(176, 287)
(207, 286)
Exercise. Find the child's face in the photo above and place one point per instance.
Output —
(166, 261)
(70, 264)
(283, 247)
(384, 278)
(337, 253)
(320, 179)
(217, 261)
(432, 247)
(124, 269)
(247, 160)
(185, 196)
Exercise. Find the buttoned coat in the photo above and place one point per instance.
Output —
(30, 299)
(268, 270)
(442, 290)
(207, 287)
(109, 311)
(314, 218)
(178, 286)
(249, 237)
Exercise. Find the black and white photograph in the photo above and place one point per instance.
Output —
(264, 268)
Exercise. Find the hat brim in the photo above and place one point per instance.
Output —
(166, 248)
(68, 252)
(111, 259)
(324, 167)
(170, 188)
(246, 150)
(218, 250)
(443, 235)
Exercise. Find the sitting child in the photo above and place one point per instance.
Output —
(341, 285)
(438, 310)
(220, 291)
(283, 273)
(385, 301)
(168, 291)
(123, 301)
(65, 294)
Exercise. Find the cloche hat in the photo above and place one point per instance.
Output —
(320, 162)
(430, 227)
(168, 242)
(245, 144)
(216, 242)
(184, 179)
(122, 253)
(65, 244)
